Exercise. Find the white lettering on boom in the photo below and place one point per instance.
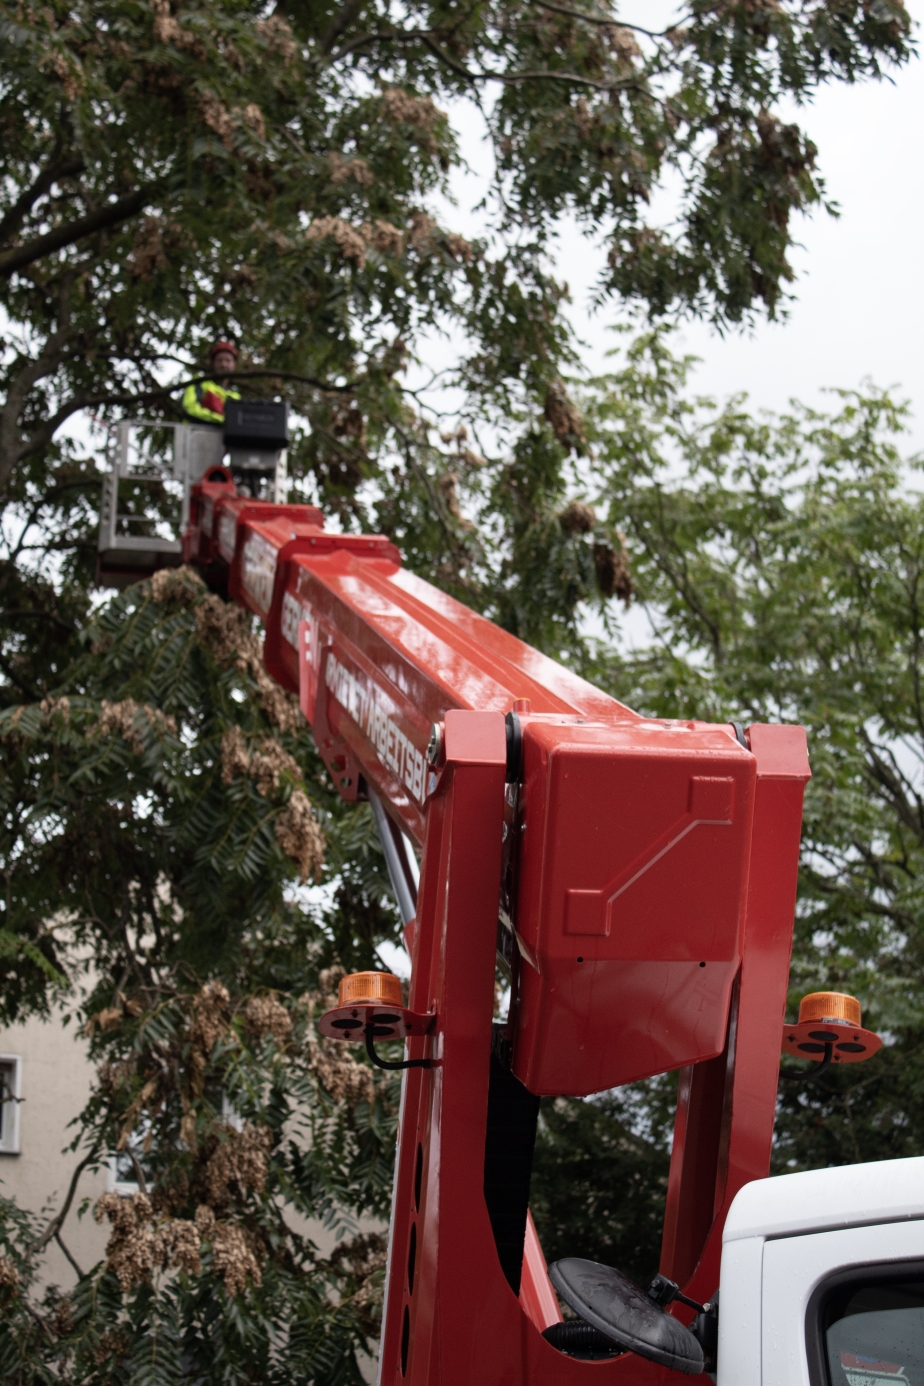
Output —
(393, 748)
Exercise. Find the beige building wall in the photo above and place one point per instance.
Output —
(54, 1085)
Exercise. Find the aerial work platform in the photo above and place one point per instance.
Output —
(632, 878)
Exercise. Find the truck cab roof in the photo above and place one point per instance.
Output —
(821, 1199)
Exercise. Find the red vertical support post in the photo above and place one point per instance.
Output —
(726, 1107)
(444, 1277)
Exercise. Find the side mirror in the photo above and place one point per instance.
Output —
(611, 1303)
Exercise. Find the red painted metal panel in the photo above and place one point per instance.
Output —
(197, 539)
(396, 655)
(230, 511)
(724, 1125)
(634, 847)
(537, 1296)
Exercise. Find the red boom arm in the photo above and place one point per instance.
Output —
(636, 876)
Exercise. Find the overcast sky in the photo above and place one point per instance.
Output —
(859, 309)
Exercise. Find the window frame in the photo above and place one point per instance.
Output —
(12, 1145)
(123, 1187)
(879, 1271)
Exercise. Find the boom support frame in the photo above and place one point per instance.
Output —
(611, 862)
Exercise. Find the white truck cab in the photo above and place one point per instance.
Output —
(822, 1279)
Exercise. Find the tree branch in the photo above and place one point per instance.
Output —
(31, 694)
(46, 363)
(425, 36)
(57, 1222)
(13, 219)
(108, 215)
(17, 614)
(612, 23)
(78, 1272)
(52, 356)
(341, 21)
(37, 1318)
(139, 1172)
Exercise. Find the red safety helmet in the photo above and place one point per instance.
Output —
(223, 346)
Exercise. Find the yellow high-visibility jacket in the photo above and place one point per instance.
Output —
(205, 402)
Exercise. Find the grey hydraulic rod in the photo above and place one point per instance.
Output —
(403, 871)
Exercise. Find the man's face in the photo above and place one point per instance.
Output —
(223, 362)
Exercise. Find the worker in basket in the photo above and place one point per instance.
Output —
(205, 402)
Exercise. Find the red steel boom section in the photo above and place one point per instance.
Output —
(637, 875)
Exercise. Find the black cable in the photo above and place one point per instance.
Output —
(815, 1072)
(386, 1063)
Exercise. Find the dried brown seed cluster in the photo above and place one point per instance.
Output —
(420, 236)
(363, 1259)
(339, 1074)
(459, 247)
(9, 1276)
(278, 36)
(327, 994)
(266, 766)
(124, 719)
(623, 43)
(217, 117)
(238, 1162)
(147, 252)
(226, 122)
(133, 1250)
(234, 1258)
(112, 1347)
(56, 707)
(269, 764)
(139, 1244)
(346, 170)
(113, 1077)
(210, 1018)
(566, 421)
(168, 30)
(181, 1245)
(383, 237)
(577, 518)
(300, 837)
(346, 421)
(182, 585)
(354, 241)
(348, 239)
(225, 630)
(63, 1321)
(401, 108)
(235, 755)
(69, 78)
(614, 576)
(253, 119)
(266, 1015)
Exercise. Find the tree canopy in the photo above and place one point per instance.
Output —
(173, 172)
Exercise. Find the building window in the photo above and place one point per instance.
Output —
(10, 1095)
(123, 1171)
